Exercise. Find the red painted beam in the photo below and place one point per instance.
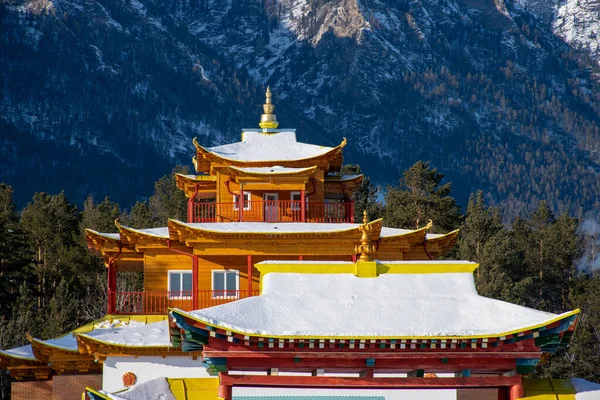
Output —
(214, 353)
(338, 382)
(381, 365)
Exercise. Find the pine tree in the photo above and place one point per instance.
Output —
(420, 197)
(365, 196)
(480, 225)
(100, 217)
(15, 255)
(141, 217)
(168, 201)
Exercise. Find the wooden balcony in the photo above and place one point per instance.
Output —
(160, 302)
(272, 211)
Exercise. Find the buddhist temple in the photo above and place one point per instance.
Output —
(271, 290)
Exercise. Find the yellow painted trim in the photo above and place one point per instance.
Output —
(445, 235)
(102, 235)
(548, 389)
(88, 389)
(558, 318)
(198, 383)
(363, 269)
(139, 232)
(425, 268)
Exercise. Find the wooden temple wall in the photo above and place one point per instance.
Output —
(157, 265)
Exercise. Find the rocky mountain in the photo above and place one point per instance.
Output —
(102, 96)
(577, 22)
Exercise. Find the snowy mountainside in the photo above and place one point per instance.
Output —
(575, 21)
(482, 88)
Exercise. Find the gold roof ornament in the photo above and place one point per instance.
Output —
(365, 248)
(268, 120)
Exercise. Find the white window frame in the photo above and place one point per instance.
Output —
(180, 272)
(224, 272)
(247, 202)
(294, 205)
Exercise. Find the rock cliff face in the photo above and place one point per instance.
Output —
(110, 92)
(576, 21)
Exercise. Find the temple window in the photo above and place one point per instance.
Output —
(180, 284)
(225, 284)
(247, 203)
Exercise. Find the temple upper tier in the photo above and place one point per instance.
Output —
(269, 176)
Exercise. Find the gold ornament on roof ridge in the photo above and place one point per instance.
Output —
(365, 248)
(268, 120)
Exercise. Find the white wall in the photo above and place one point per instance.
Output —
(147, 368)
(388, 394)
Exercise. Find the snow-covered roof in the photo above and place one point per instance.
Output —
(389, 232)
(23, 353)
(390, 305)
(154, 334)
(162, 233)
(276, 170)
(129, 333)
(260, 147)
(112, 236)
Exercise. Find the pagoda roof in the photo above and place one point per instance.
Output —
(18, 354)
(180, 230)
(131, 241)
(420, 303)
(124, 330)
(270, 147)
(343, 178)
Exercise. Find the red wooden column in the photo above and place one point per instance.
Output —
(300, 258)
(195, 282)
(354, 258)
(112, 288)
(225, 391)
(190, 206)
(303, 205)
(249, 275)
(241, 204)
(517, 392)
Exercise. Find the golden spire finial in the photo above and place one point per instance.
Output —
(268, 120)
(365, 248)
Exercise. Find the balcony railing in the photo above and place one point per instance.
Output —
(273, 211)
(160, 302)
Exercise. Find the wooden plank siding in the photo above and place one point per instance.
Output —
(158, 265)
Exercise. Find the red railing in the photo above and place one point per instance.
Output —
(160, 302)
(274, 211)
